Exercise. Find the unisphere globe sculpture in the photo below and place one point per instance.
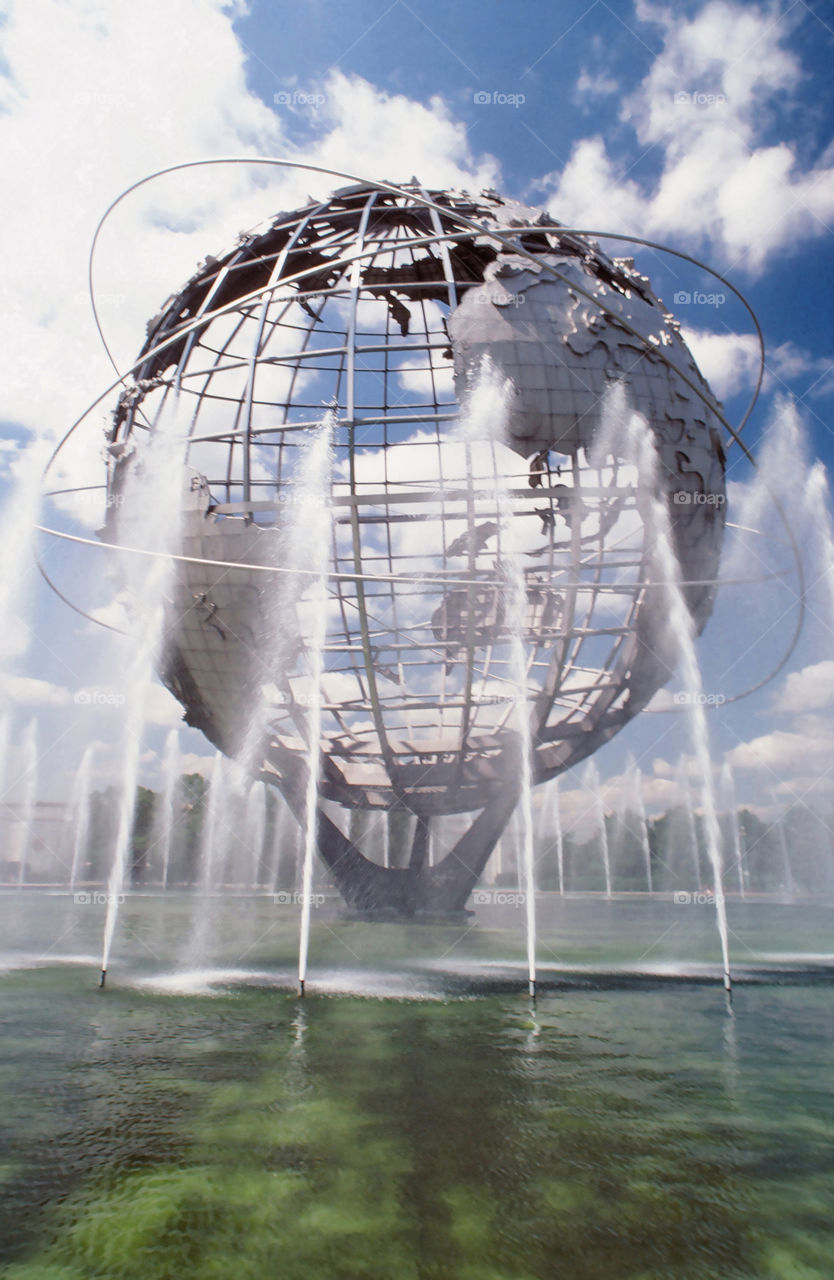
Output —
(383, 310)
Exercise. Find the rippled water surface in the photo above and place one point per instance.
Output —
(416, 1116)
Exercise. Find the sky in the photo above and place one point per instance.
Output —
(704, 126)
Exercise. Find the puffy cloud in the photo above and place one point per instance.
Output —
(162, 708)
(809, 689)
(704, 105)
(598, 85)
(781, 753)
(82, 118)
(728, 361)
(27, 691)
(370, 132)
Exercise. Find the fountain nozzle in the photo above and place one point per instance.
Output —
(103, 978)
(301, 988)
(531, 987)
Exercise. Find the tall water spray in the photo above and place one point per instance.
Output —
(170, 801)
(256, 829)
(485, 423)
(688, 809)
(553, 830)
(622, 426)
(213, 843)
(150, 518)
(637, 806)
(80, 805)
(310, 543)
(731, 808)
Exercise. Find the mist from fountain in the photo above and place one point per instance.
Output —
(80, 806)
(621, 426)
(283, 822)
(787, 870)
(591, 782)
(5, 729)
(636, 805)
(688, 810)
(386, 840)
(18, 518)
(552, 816)
(485, 422)
(150, 518)
(731, 809)
(213, 843)
(256, 829)
(310, 542)
(171, 787)
(28, 779)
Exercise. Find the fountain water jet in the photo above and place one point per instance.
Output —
(620, 423)
(591, 782)
(310, 542)
(80, 804)
(153, 483)
(688, 809)
(731, 806)
(635, 792)
(485, 421)
(213, 841)
(256, 828)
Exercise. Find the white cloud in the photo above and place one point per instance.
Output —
(594, 86)
(728, 361)
(810, 689)
(704, 105)
(375, 134)
(27, 691)
(781, 753)
(161, 707)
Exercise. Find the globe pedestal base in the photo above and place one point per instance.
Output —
(418, 890)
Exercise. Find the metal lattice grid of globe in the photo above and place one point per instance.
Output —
(380, 305)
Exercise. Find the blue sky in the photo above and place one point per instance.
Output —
(704, 126)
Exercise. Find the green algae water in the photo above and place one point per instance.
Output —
(416, 1117)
